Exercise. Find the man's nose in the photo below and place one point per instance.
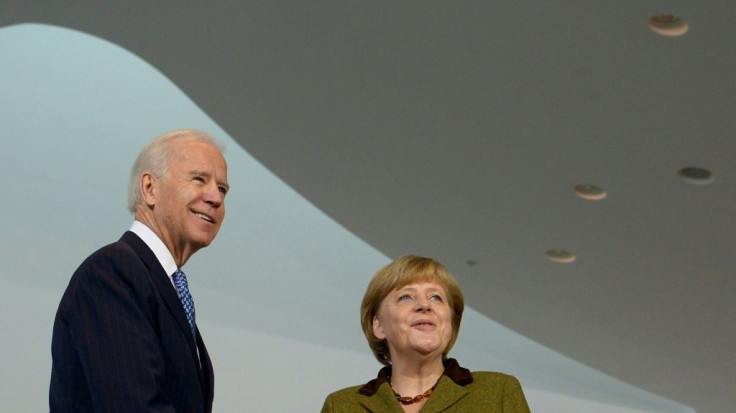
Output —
(213, 195)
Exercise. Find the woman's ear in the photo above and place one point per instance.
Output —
(378, 329)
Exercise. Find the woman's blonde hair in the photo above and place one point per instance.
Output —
(406, 270)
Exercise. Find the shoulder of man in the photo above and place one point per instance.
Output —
(115, 264)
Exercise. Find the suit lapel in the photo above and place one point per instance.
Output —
(168, 293)
(445, 395)
(163, 284)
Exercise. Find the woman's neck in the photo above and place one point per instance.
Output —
(413, 377)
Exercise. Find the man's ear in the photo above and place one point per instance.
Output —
(378, 329)
(149, 188)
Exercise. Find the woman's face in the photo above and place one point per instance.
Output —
(415, 319)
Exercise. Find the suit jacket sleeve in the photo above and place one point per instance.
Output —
(107, 317)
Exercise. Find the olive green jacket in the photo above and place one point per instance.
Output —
(485, 392)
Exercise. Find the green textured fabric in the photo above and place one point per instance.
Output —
(488, 393)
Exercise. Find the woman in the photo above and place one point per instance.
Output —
(411, 316)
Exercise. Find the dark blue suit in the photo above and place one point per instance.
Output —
(121, 342)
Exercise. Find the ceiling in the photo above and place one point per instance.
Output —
(458, 130)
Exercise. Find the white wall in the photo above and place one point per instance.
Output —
(278, 291)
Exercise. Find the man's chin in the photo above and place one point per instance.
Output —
(204, 237)
(206, 242)
(201, 242)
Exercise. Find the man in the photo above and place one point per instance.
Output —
(124, 337)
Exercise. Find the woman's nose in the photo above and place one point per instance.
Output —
(423, 305)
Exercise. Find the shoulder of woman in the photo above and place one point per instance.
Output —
(347, 392)
(492, 377)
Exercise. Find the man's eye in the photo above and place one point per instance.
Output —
(223, 190)
(199, 179)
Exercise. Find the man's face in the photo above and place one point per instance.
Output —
(190, 199)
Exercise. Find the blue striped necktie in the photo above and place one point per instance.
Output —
(180, 280)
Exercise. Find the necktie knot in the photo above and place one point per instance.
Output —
(182, 287)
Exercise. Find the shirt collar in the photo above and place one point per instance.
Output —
(461, 376)
(156, 245)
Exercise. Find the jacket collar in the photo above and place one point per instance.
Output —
(461, 376)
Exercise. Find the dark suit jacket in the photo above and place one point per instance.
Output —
(461, 392)
(121, 342)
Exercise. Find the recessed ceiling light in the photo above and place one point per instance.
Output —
(590, 192)
(696, 175)
(560, 256)
(667, 25)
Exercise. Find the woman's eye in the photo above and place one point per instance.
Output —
(435, 297)
(404, 297)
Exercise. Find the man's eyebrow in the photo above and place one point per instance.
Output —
(197, 172)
